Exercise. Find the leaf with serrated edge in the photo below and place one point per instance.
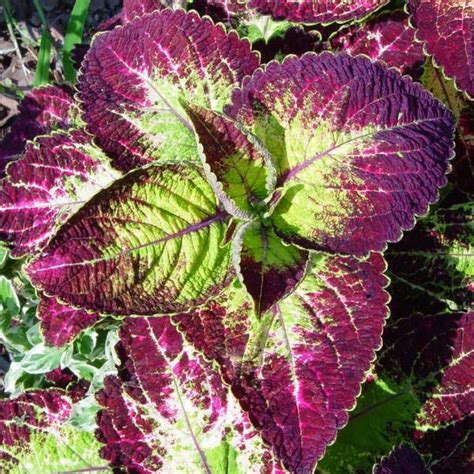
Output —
(237, 166)
(55, 177)
(169, 410)
(134, 8)
(34, 410)
(360, 150)
(42, 110)
(446, 29)
(297, 371)
(387, 37)
(452, 399)
(60, 323)
(134, 77)
(150, 243)
(403, 458)
(316, 11)
(269, 268)
(445, 90)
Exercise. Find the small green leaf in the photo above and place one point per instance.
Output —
(41, 359)
(264, 28)
(9, 303)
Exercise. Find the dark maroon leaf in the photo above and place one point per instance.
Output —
(446, 30)
(316, 11)
(60, 323)
(168, 408)
(297, 371)
(57, 174)
(42, 110)
(387, 38)
(402, 460)
(134, 79)
(33, 410)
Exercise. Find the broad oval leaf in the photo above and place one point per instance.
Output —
(269, 268)
(239, 169)
(55, 177)
(298, 371)
(61, 323)
(317, 11)
(134, 77)
(360, 150)
(168, 410)
(42, 110)
(446, 29)
(150, 243)
(388, 38)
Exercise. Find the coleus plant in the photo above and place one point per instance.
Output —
(236, 217)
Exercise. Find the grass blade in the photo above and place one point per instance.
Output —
(44, 54)
(42, 68)
(74, 32)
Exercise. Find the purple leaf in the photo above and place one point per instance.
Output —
(150, 243)
(240, 170)
(298, 371)
(402, 460)
(42, 110)
(168, 408)
(387, 38)
(134, 79)
(269, 268)
(360, 151)
(315, 11)
(134, 8)
(60, 323)
(445, 90)
(33, 410)
(446, 31)
(449, 449)
(226, 9)
(452, 399)
(57, 174)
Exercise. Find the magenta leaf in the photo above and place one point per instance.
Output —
(33, 410)
(360, 151)
(134, 79)
(168, 408)
(42, 110)
(150, 243)
(402, 460)
(445, 90)
(452, 399)
(387, 38)
(316, 11)
(238, 167)
(57, 174)
(60, 323)
(133, 8)
(269, 268)
(297, 371)
(446, 31)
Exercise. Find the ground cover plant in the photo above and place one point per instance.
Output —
(237, 238)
